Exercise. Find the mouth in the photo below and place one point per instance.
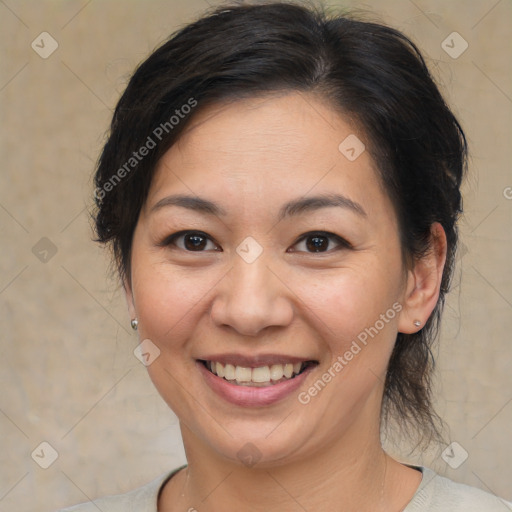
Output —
(257, 376)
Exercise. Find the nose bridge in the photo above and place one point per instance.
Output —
(251, 297)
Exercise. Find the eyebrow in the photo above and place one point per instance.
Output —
(298, 206)
(291, 208)
(192, 203)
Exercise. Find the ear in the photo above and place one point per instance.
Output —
(423, 283)
(129, 298)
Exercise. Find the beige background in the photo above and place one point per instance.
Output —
(67, 371)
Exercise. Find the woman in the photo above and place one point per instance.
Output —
(281, 191)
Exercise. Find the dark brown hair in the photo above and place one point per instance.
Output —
(367, 71)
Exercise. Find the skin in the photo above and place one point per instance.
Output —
(251, 157)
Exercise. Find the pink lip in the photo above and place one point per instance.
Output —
(246, 396)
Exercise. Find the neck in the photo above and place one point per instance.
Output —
(346, 475)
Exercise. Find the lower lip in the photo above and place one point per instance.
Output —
(251, 396)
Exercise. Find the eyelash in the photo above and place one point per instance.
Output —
(342, 243)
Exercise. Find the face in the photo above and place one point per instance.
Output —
(264, 254)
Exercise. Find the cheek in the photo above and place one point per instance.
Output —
(167, 299)
(346, 302)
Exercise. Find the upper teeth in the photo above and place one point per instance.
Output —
(256, 375)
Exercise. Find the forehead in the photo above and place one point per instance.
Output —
(269, 147)
(288, 123)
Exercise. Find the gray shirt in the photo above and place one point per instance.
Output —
(435, 494)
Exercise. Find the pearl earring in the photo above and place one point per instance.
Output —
(134, 324)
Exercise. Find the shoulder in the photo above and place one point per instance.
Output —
(440, 494)
(141, 499)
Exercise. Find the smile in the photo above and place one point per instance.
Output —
(254, 381)
(257, 377)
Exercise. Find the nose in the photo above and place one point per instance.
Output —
(251, 298)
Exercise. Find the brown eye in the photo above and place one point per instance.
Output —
(321, 242)
(191, 241)
(317, 243)
(194, 242)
